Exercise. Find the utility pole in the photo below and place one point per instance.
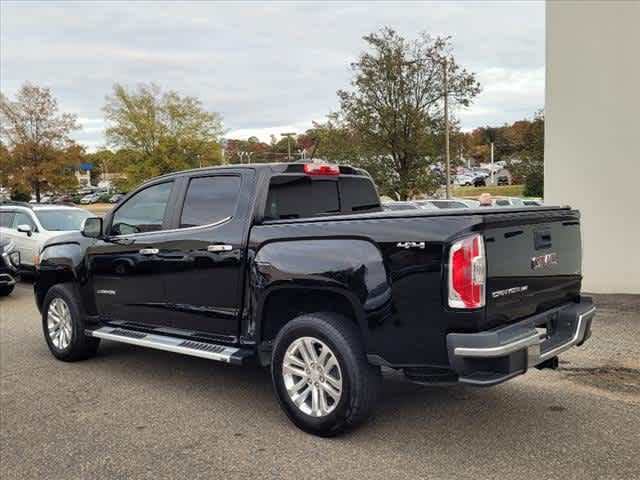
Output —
(492, 179)
(288, 135)
(446, 129)
(491, 133)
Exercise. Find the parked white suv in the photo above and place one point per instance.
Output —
(30, 226)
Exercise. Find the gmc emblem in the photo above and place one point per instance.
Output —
(544, 261)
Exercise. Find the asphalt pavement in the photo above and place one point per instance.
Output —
(133, 413)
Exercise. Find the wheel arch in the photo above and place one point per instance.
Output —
(280, 306)
(289, 278)
(59, 263)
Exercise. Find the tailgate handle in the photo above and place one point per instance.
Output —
(542, 239)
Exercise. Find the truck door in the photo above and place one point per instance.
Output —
(127, 268)
(206, 252)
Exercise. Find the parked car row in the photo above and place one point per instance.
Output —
(83, 196)
(435, 204)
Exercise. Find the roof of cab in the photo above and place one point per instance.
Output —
(274, 167)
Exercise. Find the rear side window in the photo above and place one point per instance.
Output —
(358, 194)
(295, 196)
(209, 200)
(6, 219)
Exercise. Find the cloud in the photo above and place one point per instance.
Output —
(263, 65)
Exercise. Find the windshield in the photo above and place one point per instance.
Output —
(63, 219)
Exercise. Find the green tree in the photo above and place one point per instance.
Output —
(531, 166)
(395, 106)
(169, 132)
(42, 154)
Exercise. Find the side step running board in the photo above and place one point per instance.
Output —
(211, 351)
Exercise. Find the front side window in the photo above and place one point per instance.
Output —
(209, 200)
(144, 212)
(21, 218)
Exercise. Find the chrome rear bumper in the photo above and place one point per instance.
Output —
(491, 357)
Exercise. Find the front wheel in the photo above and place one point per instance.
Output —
(63, 325)
(321, 375)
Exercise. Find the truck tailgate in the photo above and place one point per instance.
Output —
(533, 262)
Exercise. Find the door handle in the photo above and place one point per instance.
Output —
(148, 251)
(219, 248)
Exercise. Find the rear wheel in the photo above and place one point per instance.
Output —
(321, 375)
(63, 325)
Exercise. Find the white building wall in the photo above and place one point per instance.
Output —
(592, 133)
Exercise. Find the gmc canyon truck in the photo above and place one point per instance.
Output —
(297, 267)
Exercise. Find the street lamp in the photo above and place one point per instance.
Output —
(288, 135)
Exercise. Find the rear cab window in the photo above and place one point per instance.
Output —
(293, 195)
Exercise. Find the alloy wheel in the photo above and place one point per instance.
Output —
(59, 323)
(312, 376)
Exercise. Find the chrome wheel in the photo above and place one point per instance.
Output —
(59, 323)
(312, 376)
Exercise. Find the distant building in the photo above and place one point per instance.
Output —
(84, 177)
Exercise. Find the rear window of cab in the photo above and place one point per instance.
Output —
(304, 196)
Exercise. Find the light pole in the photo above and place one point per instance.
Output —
(491, 135)
(288, 135)
(446, 129)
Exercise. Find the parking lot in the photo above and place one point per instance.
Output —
(136, 413)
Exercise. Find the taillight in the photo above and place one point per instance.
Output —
(321, 169)
(467, 273)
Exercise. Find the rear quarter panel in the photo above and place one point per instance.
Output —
(395, 291)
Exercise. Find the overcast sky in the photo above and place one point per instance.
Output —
(267, 67)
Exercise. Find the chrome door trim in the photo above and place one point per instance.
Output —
(158, 232)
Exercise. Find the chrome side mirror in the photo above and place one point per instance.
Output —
(92, 227)
(25, 229)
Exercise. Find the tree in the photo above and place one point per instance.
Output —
(395, 106)
(531, 165)
(168, 131)
(41, 150)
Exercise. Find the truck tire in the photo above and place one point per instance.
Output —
(63, 325)
(6, 290)
(321, 375)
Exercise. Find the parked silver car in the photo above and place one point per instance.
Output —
(30, 226)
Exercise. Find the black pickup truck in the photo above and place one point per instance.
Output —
(297, 267)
